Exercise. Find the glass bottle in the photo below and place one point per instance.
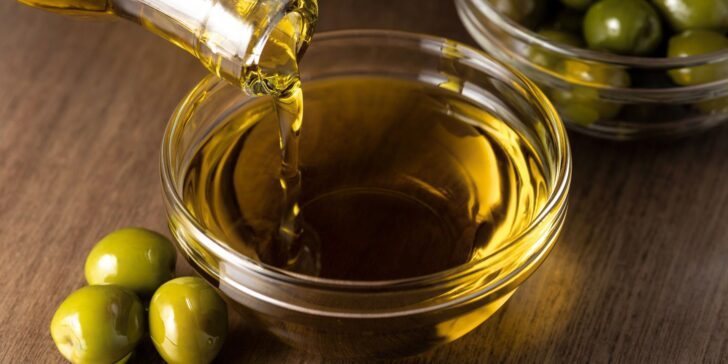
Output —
(254, 44)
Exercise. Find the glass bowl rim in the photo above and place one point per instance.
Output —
(524, 34)
(556, 199)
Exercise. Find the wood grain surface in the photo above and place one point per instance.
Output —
(639, 275)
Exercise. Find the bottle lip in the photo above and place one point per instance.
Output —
(302, 9)
(554, 209)
(306, 9)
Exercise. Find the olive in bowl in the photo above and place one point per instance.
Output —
(629, 27)
(543, 57)
(695, 14)
(693, 43)
(582, 103)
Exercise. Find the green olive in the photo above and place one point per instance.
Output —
(134, 258)
(719, 105)
(692, 43)
(98, 324)
(593, 74)
(187, 321)
(561, 37)
(528, 13)
(629, 27)
(696, 42)
(582, 103)
(695, 14)
(578, 4)
(547, 58)
(715, 105)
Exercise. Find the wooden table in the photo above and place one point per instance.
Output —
(640, 273)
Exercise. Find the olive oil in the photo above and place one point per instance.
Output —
(397, 179)
(277, 76)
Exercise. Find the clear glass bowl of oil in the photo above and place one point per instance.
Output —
(433, 182)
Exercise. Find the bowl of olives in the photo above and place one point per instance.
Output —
(615, 69)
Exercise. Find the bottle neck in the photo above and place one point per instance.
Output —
(229, 37)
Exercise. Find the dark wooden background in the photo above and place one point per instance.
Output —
(639, 275)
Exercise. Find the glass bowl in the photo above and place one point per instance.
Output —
(652, 106)
(339, 318)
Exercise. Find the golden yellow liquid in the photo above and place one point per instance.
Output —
(397, 179)
(277, 76)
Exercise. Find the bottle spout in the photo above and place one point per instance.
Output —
(262, 45)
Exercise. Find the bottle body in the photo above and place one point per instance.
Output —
(247, 42)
